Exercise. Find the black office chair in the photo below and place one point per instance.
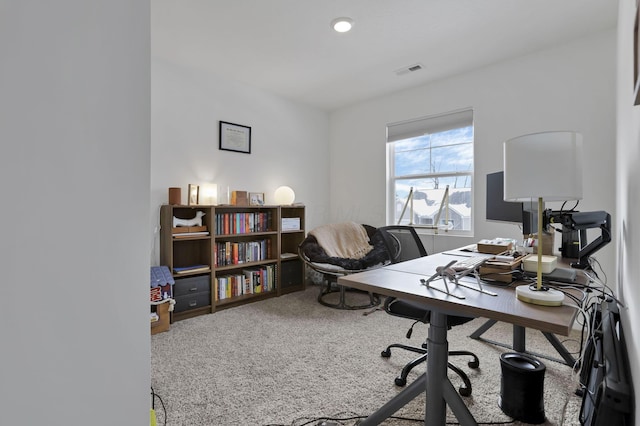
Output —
(404, 244)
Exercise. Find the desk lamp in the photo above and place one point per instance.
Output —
(284, 195)
(545, 166)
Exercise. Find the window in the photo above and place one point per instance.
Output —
(430, 173)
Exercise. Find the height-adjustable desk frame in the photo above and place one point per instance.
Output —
(403, 280)
(519, 335)
(519, 345)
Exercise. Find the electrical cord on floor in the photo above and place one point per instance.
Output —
(154, 395)
(337, 421)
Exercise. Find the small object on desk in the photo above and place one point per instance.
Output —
(448, 272)
(469, 263)
(530, 263)
(495, 246)
(442, 272)
(563, 275)
(502, 258)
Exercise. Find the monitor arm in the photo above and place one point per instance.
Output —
(574, 226)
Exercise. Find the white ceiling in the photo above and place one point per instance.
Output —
(288, 48)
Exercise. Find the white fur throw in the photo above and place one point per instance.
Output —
(347, 240)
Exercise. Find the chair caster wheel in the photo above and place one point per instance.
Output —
(474, 364)
(400, 381)
(386, 353)
(464, 391)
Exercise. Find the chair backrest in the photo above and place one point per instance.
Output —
(403, 243)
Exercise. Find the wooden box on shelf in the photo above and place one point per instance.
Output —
(188, 229)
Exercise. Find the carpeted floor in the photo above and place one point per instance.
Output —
(291, 361)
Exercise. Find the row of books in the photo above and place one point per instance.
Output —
(250, 281)
(237, 252)
(242, 223)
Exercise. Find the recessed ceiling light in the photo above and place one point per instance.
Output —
(342, 25)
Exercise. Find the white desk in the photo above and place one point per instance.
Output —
(402, 280)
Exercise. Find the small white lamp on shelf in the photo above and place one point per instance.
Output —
(543, 166)
(209, 194)
(284, 196)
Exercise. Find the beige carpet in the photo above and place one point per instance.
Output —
(292, 361)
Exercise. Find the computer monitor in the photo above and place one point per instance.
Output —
(497, 208)
(530, 217)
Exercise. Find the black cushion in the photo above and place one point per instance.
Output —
(417, 311)
(378, 254)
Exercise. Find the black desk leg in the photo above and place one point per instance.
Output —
(400, 400)
(564, 353)
(519, 338)
(484, 327)
(440, 391)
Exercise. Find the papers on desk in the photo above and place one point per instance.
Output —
(471, 248)
(467, 251)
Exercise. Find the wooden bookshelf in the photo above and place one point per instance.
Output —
(239, 254)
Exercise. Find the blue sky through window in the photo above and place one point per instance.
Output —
(428, 164)
(450, 151)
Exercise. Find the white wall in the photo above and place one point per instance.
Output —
(569, 87)
(288, 141)
(74, 170)
(628, 193)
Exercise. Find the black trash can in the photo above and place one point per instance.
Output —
(522, 387)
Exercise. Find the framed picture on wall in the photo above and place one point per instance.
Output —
(636, 58)
(235, 137)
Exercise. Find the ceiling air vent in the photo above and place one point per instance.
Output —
(410, 68)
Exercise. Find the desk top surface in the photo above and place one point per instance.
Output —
(402, 280)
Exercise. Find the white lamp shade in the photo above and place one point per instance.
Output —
(544, 165)
(209, 194)
(284, 195)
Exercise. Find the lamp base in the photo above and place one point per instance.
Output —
(544, 297)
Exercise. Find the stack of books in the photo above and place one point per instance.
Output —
(500, 270)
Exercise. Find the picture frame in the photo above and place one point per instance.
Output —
(256, 198)
(235, 137)
(193, 195)
(636, 57)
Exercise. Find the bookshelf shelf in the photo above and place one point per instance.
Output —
(252, 233)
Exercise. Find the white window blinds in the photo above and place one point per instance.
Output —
(429, 125)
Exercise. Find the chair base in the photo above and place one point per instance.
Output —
(401, 380)
(331, 287)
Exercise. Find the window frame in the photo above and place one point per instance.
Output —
(449, 120)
